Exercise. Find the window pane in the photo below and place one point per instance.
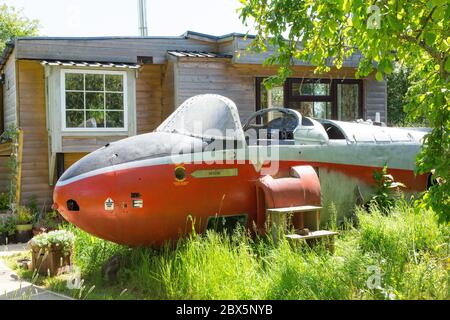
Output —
(95, 119)
(322, 110)
(321, 89)
(348, 101)
(94, 82)
(95, 101)
(302, 89)
(75, 119)
(75, 100)
(114, 119)
(74, 81)
(308, 88)
(114, 82)
(305, 108)
(114, 101)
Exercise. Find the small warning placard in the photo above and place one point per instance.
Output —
(109, 204)
(138, 203)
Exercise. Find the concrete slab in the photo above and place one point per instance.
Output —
(10, 249)
(13, 288)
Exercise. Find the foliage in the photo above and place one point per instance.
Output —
(13, 24)
(49, 220)
(387, 190)
(24, 215)
(59, 238)
(8, 226)
(397, 87)
(11, 135)
(413, 32)
(4, 201)
(406, 250)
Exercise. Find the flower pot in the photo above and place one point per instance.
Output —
(24, 233)
(24, 227)
(49, 261)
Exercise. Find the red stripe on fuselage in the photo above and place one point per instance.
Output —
(167, 204)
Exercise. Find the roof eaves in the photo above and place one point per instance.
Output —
(200, 36)
(9, 47)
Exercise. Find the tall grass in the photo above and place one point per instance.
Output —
(399, 256)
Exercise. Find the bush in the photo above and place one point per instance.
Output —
(8, 227)
(4, 201)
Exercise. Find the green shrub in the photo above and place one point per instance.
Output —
(4, 201)
(8, 227)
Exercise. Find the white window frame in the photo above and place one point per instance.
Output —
(103, 72)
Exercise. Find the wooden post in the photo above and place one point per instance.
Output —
(19, 166)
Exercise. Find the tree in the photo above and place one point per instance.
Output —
(414, 33)
(397, 89)
(13, 24)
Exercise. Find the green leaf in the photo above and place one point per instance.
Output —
(447, 65)
(346, 6)
(429, 37)
(379, 76)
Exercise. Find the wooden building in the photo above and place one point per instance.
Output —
(71, 96)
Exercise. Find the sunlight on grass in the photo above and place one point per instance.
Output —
(408, 250)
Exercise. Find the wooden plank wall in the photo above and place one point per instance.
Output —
(235, 81)
(71, 158)
(168, 90)
(375, 96)
(242, 55)
(87, 144)
(111, 50)
(31, 104)
(9, 92)
(4, 174)
(149, 98)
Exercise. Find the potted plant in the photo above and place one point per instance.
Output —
(51, 252)
(49, 221)
(7, 231)
(24, 224)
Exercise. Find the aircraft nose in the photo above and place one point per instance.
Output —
(142, 147)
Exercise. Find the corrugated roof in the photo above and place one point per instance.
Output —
(90, 64)
(197, 54)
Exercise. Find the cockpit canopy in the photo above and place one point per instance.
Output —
(209, 116)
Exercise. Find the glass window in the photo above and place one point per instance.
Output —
(310, 88)
(271, 98)
(347, 101)
(313, 109)
(94, 100)
(316, 98)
